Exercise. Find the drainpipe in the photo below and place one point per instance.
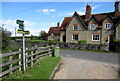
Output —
(101, 36)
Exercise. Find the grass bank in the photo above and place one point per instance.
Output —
(41, 71)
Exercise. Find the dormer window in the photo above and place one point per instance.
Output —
(92, 26)
(75, 27)
(107, 25)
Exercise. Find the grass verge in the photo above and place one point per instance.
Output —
(38, 40)
(41, 71)
(101, 51)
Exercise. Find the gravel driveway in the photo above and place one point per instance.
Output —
(87, 65)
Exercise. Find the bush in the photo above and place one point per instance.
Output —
(82, 41)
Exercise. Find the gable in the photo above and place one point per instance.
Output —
(92, 23)
(75, 21)
(54, 30)
(107, 20)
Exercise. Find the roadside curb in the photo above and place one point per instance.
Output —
(55, 69)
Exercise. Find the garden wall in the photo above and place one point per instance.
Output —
(117, 46)
(74, 45)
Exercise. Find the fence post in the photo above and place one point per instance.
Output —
(26, 57)
(53, 49)
(32, 59)
(10, 59)
(20, 60)
(49, 51)
(36, 52)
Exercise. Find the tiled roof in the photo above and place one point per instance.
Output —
(55, 30)
(65, 21)
(99, 18)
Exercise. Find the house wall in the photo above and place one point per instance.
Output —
(62, 33)
(104, 33)
(89, 36)
(54, 37)
(90, 32)
(118, 32)
(81, 31)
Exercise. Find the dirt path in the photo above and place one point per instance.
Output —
(74, 68)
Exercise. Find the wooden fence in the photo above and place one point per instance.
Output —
(32, 56)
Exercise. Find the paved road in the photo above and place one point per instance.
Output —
(101, 57)
(87, 65)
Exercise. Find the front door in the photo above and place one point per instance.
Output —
(111, 43)
(64, 38)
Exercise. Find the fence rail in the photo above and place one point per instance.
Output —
(32, 56)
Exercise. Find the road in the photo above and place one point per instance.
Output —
(87, 65)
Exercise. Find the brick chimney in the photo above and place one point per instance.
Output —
(116, 7)
(88, 12)
(58, 24)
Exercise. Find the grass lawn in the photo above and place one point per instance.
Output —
(38, 40)
(102, 51)
(44, 41)
(116, 40)
(41, 71)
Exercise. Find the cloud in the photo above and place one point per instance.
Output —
(10, 25)
(52, 23)
(94, 7)
(52, 10)
(53, 16)
(36, 31)
(33, 27)
(46, 11)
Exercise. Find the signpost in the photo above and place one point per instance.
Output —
(21, 31)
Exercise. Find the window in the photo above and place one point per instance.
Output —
(75, 37)
(96, 37)
(107, 25)
(52, 36)
(92, 26)
(75, 27)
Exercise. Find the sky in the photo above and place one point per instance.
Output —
(43, 15)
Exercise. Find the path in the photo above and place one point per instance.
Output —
(87, 65)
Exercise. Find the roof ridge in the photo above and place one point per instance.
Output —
(102, 13)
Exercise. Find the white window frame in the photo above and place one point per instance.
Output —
(91, 26)
(94, 35)
(74, 27)
(108, 26)
(73, 37)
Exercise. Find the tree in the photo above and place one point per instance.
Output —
(43, 35)
(31, 37)
(5, 34)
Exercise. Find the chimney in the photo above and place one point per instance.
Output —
(116, 8)
(88, 12)
(58, 24)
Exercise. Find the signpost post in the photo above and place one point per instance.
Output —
(21, 31)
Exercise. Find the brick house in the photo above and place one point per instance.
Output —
(92, 28)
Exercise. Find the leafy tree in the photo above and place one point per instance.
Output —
(5, 36)
(43, 35)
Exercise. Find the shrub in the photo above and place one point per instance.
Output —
(82, 41)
